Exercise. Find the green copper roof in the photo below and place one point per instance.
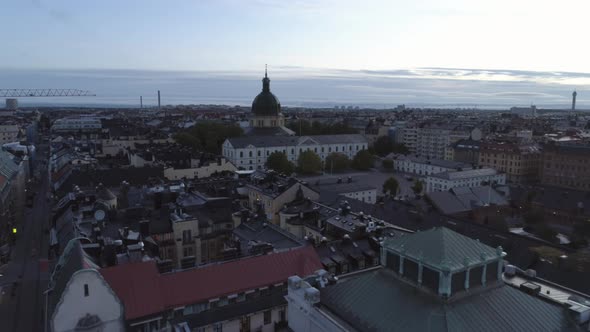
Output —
(266, 103)
(378, 301)
(443, 249)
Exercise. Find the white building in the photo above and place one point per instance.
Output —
(424, 166)
(470, 178)
(76, 124)
(358, 190)
(433, 141)
(78, 298)
(251, 152)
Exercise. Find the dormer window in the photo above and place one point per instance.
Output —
(442, 261)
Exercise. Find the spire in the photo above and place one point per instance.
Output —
(266, 80)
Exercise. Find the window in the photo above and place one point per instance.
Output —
(186, 236)
(223, 301)
(218, 327)
(245, 324)
(258, 153)
(267, 317)
(241, 154)
(187, 252)
(250, 153)
(86, 292)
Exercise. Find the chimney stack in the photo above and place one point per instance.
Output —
(159, 106)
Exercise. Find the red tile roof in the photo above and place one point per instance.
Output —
(145, 292)
(2, 181)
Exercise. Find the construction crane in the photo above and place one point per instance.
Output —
(11, 93)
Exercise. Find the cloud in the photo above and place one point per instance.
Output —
(56, 14)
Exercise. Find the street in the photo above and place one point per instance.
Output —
(24, 278)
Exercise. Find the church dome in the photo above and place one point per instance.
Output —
(266, 103)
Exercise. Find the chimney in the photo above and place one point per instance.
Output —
(135, 252)
(144, 228)
(159, 100)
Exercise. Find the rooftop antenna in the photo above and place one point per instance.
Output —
(140, 102)
(265, 70)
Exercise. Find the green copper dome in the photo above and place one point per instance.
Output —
(266, 103)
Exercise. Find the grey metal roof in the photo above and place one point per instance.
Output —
(268, 131)
(262, 232)
(463, 199)
(465, 174)
(8, 167)
(271, 141)
(342, 188)
(435, 162)
(441, 247)
(378, 301)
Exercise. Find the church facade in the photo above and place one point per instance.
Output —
(267, 134)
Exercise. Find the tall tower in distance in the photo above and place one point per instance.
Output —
(574, 100)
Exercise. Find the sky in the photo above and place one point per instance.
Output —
(539, 43)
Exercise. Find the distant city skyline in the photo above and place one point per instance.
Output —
(308, 87)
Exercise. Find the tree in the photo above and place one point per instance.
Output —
(387, 163)
(390, 186)
(209, 135)
(383, 146)
(305, 127)
(189, 140)
(363, 160)
(417, 187)
(309, 162)
(337, 162)
(278, 161)
(400, 148)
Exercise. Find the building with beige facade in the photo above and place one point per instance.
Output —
(566, 165)
(271, 194)
(198, 170)
(520, 162)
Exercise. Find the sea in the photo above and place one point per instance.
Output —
(308, 87)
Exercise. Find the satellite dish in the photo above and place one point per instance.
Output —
(99, 215)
